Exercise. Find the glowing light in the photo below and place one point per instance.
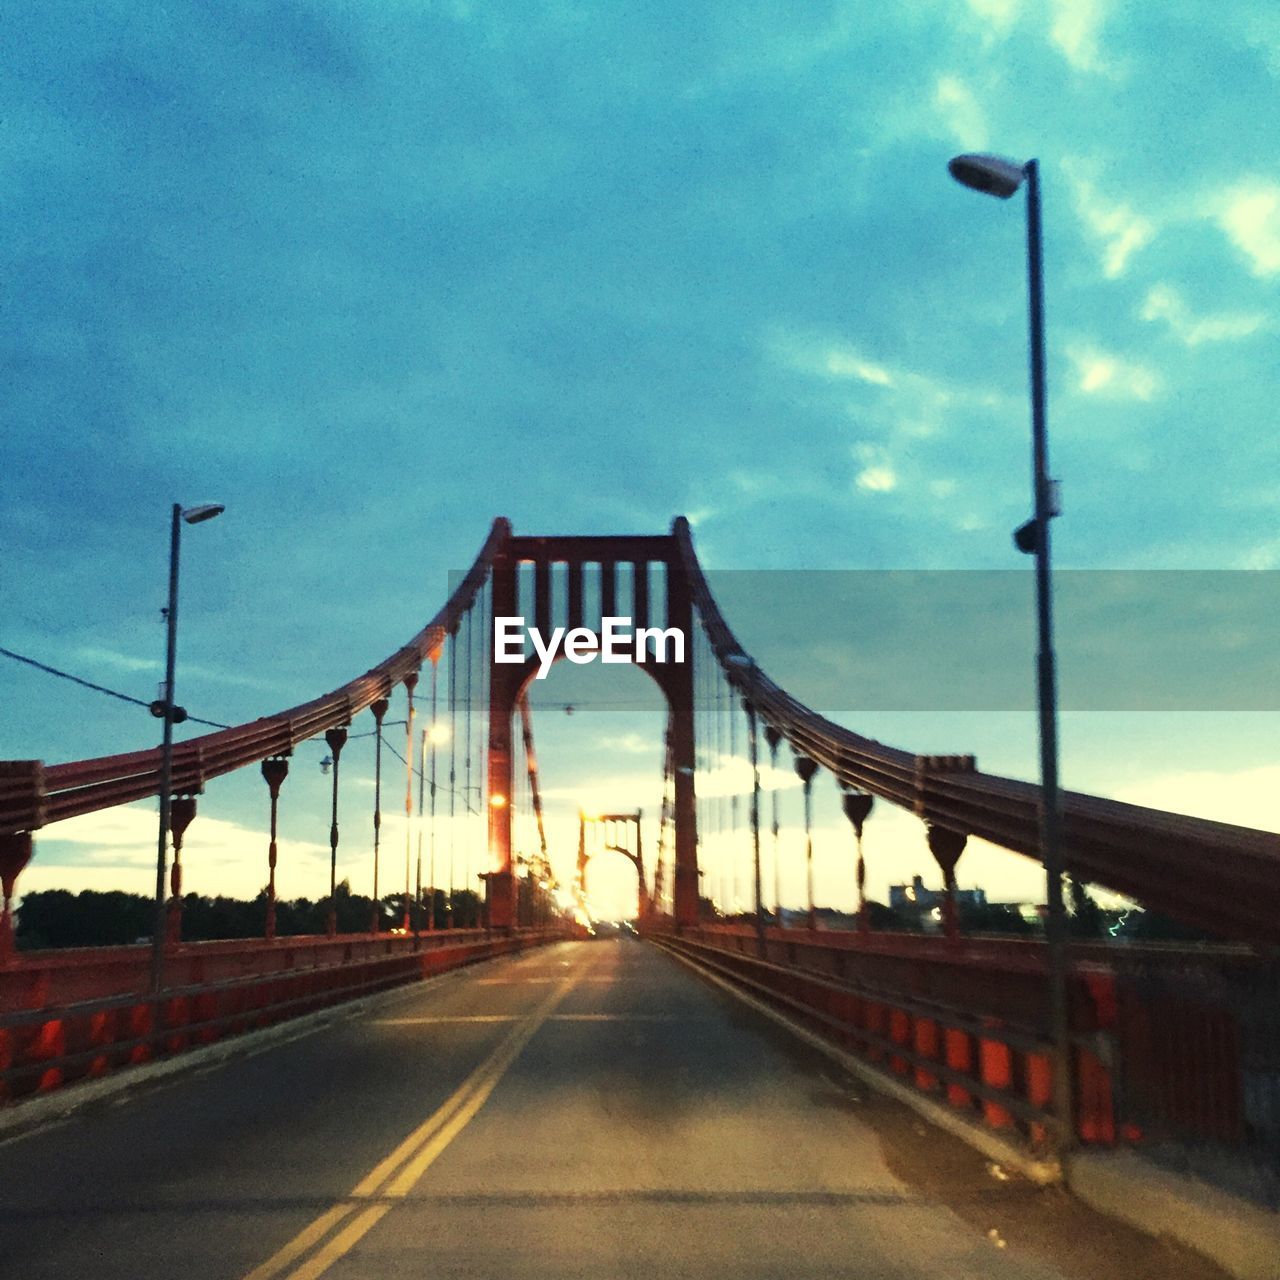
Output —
(497, 801)
(438, 733)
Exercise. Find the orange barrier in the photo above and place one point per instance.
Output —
(44, 1049)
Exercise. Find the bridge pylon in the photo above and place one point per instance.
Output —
(508, 681)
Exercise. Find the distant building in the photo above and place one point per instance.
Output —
(915, 900)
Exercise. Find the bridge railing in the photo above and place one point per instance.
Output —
(40, 979)
(1176, 1048)
(79, 1014)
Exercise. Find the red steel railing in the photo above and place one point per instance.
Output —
(77, 1015)
(1171, 1045)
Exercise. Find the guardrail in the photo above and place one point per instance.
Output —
(46, 1046)
(1176, 1048)
(39, 979)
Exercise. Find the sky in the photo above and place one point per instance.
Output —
(372, 274)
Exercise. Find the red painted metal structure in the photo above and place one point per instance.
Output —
(508, 681)
(78, 1014)
(1166, 1040)
(1221, 877)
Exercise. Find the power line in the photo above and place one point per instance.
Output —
(97, 688)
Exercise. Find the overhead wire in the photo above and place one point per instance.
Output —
(97, 688)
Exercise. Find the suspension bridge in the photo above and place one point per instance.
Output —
(495, 1096)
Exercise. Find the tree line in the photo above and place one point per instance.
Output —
(96, 918)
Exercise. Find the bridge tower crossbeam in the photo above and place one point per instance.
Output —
(508, 681)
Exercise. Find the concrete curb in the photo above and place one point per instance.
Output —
(991, 1144)
(26, 1114)
(1242, 1238)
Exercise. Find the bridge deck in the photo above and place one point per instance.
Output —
(583, 1110)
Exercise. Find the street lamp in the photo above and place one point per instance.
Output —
(992, 175)
(164, 708)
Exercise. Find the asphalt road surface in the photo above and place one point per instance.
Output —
(586, 1109)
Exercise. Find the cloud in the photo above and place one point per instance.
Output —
(1165, 303)
(1109, 376)
(1244, 797)
(848, 364)
(1000, 13)
(1076, 31)
(632, 744)
(964, 116)
(1250, 215)
(1266, 555)
(117, 848)
(877, 474)
(877, 480)
(121, 661)
(1122, 231)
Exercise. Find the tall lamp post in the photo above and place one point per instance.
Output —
(994, 176)
(165, 709)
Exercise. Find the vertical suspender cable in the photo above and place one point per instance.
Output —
(718, 873)
(453, 771)
(435, 742)
(468, 800)
(734, 806)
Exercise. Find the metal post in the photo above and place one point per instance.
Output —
(166, 753)
(754, 750)
(274, 772)
(182, 810)
(379, 710)
(410, 682)
(857, 808)
(336, 738)
(422, 795)
(435, 672)
(806, 768)
(1050, 798)
(773, 736)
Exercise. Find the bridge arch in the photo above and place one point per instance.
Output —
(507, 681)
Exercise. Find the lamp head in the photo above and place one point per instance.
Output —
(992, 175)
(206, 511)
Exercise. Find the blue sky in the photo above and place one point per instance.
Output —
(372, 274)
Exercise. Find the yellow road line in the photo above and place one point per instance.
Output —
(514, 982)
(622, 1017)
(411, 1158)
(445, 1018)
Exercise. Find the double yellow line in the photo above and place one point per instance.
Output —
(339, 1229)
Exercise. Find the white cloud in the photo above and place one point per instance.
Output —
(1265, 555)
(116, 848)
(877, 474)
(121, 661)
(1165, 303)
(1000, 13)
(847, 363)
(877, 479)
(1250, 215)
(942, 488)
(962, 112)
(1122, 231)
(632, 744)
(1076, 28)
(1109, 376)
(1246, 798)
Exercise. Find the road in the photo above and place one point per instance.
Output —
(586, 1109)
